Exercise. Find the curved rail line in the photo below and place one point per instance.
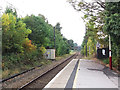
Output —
(27, 84)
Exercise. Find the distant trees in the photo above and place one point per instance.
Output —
(70, 42)
(31, 33)
(43, 34)
(41, 30)
(24, 41)
(94, 18)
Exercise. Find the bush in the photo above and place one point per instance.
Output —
(10, 61)
(42, 50)
(28, 46)
(115, 61)
(106, 60)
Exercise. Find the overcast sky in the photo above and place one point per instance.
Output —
(55, 11)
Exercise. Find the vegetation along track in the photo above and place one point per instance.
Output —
(14, 76)
(42, 80)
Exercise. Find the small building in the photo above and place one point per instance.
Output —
(50, 54)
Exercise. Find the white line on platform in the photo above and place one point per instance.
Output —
(74, 83)
(53, 80)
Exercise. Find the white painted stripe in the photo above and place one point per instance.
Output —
(110, 54)
(74, 83)
(53, 80)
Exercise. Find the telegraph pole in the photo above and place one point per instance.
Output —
(86, 39)
(86, 46)
(110, 55)
(54, 37)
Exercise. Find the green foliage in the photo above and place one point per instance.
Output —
(24, 41)
(12, 60)
(112, 27)
(106, 61)
(0, 37)
(11, 10)
(92, 10)
(43, 34)
(112, 20)
(83, 46)
(90, 39)
(41, 30)
(58, 27)
(16, 35)
(94, 18)
(28, 47)
(91, 46)
(104, 18)
(42, 49)
(62, 46)
(13, 33)
(71, 43)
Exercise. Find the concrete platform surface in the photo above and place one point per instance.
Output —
(84, 75)
(62, 78)
(93, 75)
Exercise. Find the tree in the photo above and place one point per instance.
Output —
(11, 10)
(43, 34)
(71, 43)
(14, 33)
(112, 27)
(58, 26)
(0, 36)
(94, 18)
(106, 22)
(112, 20)
(90, 9)
(62, 47)
(40, 29)
(93, 14)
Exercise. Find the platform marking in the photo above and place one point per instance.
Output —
(49, 84)
(72, 76)
(74, 82)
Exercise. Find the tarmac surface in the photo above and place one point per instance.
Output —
(93, 75)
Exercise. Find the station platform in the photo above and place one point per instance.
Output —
(84, 74)
(65, 78)
(93, 75)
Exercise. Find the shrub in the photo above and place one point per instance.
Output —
(42, 49)
(28, 46)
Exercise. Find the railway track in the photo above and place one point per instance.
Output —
(42, 80)
(13, 76)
